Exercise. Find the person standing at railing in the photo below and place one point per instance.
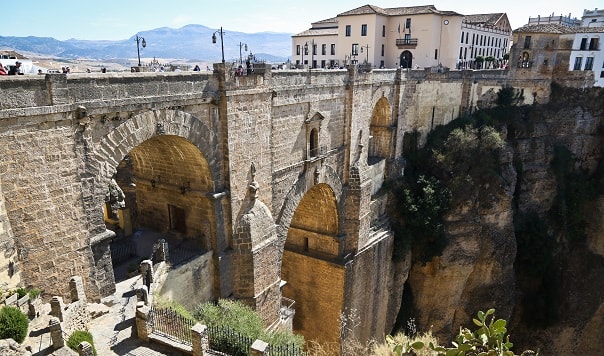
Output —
(16, 69)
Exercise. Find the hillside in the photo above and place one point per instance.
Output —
(191, 42)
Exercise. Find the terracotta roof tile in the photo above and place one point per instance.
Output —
(483, 19)
(545, 28)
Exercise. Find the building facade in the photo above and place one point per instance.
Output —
(407, 37)
(552, 48)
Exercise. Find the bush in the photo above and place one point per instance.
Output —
(237, 318)
(13, 324)
(77, 337)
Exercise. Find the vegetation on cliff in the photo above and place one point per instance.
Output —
(459, 162)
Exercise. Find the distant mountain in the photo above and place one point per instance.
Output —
(191, 42)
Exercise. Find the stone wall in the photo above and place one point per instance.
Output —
(10, 275)
(190, 283)
(62, 144)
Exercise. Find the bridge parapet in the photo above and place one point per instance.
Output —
(99, 88)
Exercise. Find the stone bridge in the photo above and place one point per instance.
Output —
(277, 173)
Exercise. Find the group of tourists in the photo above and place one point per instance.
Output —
(12, 70)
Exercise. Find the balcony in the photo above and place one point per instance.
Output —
(406, 43)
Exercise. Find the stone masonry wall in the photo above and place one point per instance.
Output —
(63, 141)
(9, 264)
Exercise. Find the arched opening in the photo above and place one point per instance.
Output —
(524, 61)
(381, 131)
(314, 143)
(159, 192)
(311, 266)
(406, 59)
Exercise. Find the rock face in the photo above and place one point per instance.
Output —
(476, 270)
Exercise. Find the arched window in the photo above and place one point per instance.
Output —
(314, 143)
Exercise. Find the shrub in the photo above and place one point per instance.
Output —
(237, 318)
(13, 324)
(488, 339)
(77, 337)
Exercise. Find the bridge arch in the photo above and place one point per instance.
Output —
(167, 165)
(380, 131)
(310, 225)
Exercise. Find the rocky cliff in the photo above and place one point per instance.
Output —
(528, 243)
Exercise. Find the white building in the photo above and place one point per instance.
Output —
(408, 37)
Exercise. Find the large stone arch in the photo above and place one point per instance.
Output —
(312, 267)
(114, 146)
(325, 174)
(152, 132)
(381, 130)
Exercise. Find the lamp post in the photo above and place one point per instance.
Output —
(240, 56)
(304, 50)
(221, 41)
(141, 41)
(312, 54)
(367, 51)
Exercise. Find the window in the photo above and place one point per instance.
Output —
(314, 143)
(461, 36)
(473, 38)
(306, 49)
(578, 62)
(348, 30)
(383, 30)
(355, 49)
(322, 63)
(593, 44)
(408, 23)
(436, 54)
(465, 53)
(333, 49)
(314, 49)
(602, 74)
(364, 30)
(298, 50)
(589, 63)
(407, 38)
(527, 42)
(460, 52)
(467, 35)
(323, 49)
(382, 50)
(583, 46)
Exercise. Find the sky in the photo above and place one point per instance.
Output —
(122, 19)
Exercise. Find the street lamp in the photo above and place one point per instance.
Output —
(240, 57)
(367, 51)
(312, 54)
(141, 41)
(221, 41)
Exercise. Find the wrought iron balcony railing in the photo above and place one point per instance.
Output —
(406, 42)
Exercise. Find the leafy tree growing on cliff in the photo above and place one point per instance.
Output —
(460, 161)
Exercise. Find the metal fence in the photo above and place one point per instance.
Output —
(122, 251)
(285, 350)
(226, 340)
(168, 323)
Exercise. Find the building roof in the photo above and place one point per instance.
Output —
(487, 20)
(327, 21)
(317, 32)
(365, 10)
(546, 28)
(588, 29)
(398, 11)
